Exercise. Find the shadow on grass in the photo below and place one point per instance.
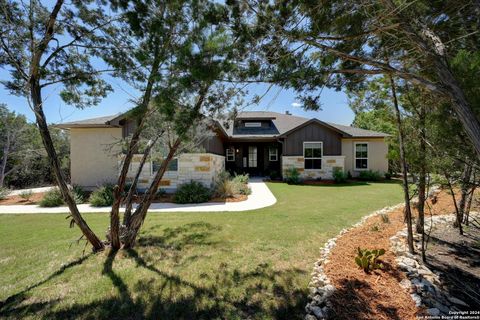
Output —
(225, 292)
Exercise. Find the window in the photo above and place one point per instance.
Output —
(312, 152)
(361, 156)
(273, 154)
(253, 124)
(252, 157)
(230, 154)
(172, 166)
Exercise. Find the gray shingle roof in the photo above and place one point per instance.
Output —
(284, 123)
(87, 123)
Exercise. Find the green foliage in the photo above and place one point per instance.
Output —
(4, 192)
(192, 192)
(339, 175)
(26, 195)
(160, 192)
(274, 175)
(367, 259)
(375, 228)
(292, 176)
(79, 195)
(369, 175)
(52, 198)
(102, 197)
(241, 178)
(227, 186)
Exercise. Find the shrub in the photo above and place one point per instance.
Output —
(388, 176)
(226, 188)
(369, 175)
(385, 218)
(274, 175)
(349, 175)
(292, 176)
(102, 197)
(4, 192)
(52, 198)
(79, 195)
(192, 192)
(26, 195)
(339, 176)
(241, 178)
(367, 259)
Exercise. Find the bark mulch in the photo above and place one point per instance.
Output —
(377, 295)
(12, 200)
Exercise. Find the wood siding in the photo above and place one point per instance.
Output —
(332, 140)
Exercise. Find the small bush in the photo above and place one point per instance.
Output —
(274, 175)
(292, 176)
(52, 198)
(339, 176)
(226, 188)
(367, 259)
(385, 218)
(349, 175)
(388, 176)
(369, 175)
(102, 197)
(241, 178)
(4, 192)
(79, 195)
(26, 195)
(192, 192)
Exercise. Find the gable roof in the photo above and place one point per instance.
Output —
(283, 125)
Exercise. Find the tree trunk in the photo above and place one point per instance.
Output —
(3, 164)
(470, 200)
(36, 97)
(132, 147)
(458, 222)
(422, 179)
(35, 93)
(464, 186)
(408, 212)
(133, 187)
(136, 220)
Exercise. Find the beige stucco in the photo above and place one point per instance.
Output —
(93, 154)
(377, 154)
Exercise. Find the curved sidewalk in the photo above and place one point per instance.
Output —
(261, 197)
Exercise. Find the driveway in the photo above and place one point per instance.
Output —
(260, 197)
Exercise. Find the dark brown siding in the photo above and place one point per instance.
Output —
(128, 127)
(214, 145)
(332, 143)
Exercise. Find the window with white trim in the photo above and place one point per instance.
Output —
(361, 156)
(230, 154)
(312, 153)
(253, 124)
(272, 154)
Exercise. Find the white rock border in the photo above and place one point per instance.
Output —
(424, 286)
(321, 289)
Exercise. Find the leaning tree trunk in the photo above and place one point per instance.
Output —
(422, 180)
(464, 186)
(458, 222)
(56, 167)
(408, 211)
(136, 220)
(36, 97)
(132, 147)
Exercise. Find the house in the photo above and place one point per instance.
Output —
(258, 142)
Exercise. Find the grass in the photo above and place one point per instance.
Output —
(232, 265)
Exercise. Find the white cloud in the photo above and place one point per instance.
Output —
(296, 104)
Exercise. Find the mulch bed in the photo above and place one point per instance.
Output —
(14, 199)
(377, 295)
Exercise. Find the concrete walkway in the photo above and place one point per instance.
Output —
(261, 197)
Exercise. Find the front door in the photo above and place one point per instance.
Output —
(253, 159)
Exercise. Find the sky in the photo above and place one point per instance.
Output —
(334, 104)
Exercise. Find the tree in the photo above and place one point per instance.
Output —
(13, 129)
(41, 47)
(311, 44)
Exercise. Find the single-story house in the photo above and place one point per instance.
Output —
(260, 143)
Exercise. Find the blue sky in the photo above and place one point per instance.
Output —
(334, 104)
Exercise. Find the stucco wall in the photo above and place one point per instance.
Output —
(202, 167)
(328, 163)
(377, 155)
(93, 155)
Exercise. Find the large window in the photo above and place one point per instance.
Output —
(312, 152)
(252, 157)
(172, 166)
(361, 156)
(230, 154)
(272, 154)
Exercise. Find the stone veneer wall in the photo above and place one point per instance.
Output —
(328, 163)
(202, 167)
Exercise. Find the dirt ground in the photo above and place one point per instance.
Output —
(378, 295)
(11, 200)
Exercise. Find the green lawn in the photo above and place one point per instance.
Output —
(232, 265)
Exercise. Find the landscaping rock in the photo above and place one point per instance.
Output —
(433, 312)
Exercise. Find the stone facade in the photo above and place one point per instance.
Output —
(328, 164)
(201, 167)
